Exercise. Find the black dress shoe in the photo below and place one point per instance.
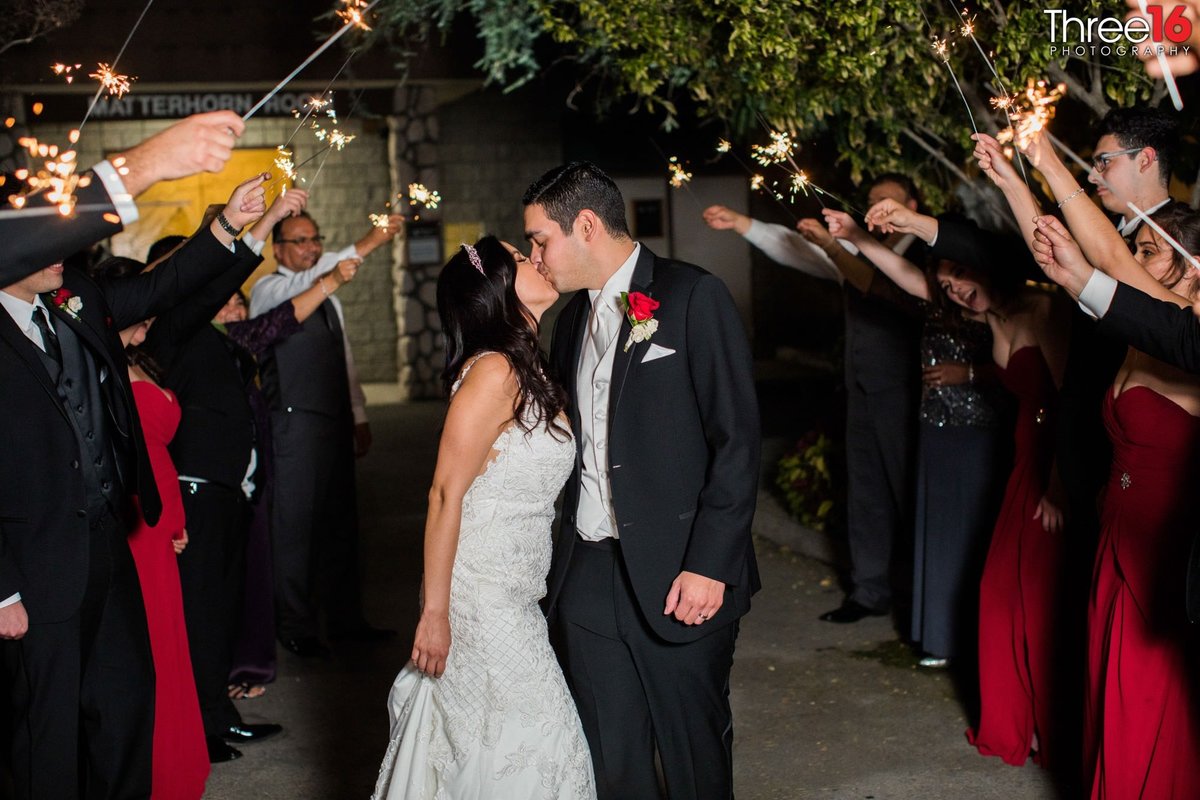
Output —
(305, 646)
(364, 634)
(247, 733)
(850, 611)
(219, 752)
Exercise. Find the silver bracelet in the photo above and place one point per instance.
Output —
(1071, 196)
(970, 373)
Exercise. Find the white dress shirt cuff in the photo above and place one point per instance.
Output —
(123, 201)
(1097, 294)
(254, 244)
(10, 601)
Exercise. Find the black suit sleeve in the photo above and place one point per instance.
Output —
(1156, 327)
(201, 260)
(34, 239)
(962, 241)
(723, 380)
(178, 324)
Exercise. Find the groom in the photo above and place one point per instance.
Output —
(654, 563)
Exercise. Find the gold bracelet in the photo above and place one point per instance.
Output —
(1071, 196)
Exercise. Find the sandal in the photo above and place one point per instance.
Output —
(246, 691)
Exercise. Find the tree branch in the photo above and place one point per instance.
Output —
(937, 154)
(1093, 98)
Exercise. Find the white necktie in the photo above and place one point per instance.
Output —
(603, 328)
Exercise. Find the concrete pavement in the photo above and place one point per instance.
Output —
(821, 711)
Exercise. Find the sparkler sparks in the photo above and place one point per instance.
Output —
(284, 162)
(378, 220)
(355, 13)
(781, 149)
(1029, 112)
(723, 146)
(420, 195)
(756, 182)
(65, 70)
(110, 81)
(941, 49)
(679, 175)
(335, 138)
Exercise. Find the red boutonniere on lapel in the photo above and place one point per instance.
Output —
(67, 301)
(640, 310)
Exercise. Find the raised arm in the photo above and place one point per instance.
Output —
(1000, 170)
(479, 412)
(905, 274)
(781, 245)
(856, 272)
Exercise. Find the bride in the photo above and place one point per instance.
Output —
(482, 710)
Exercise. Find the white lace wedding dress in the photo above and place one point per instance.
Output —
(500, 722)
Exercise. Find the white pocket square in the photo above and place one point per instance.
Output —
(656, 351)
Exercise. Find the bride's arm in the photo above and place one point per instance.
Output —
(481, 408)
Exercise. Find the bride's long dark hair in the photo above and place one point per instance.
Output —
(480, 311)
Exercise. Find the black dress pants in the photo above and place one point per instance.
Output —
(82, 690)
(212, 572)
(637, 693)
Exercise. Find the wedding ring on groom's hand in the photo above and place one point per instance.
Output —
(701, 617)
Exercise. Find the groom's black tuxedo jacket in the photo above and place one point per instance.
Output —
(683, 444)
(43, 522)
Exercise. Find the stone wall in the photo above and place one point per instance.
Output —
(354, 183)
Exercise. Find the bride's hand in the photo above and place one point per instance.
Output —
(431, 644)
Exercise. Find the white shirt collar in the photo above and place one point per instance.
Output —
(619, 282)
(20, 311)
(1128, 225)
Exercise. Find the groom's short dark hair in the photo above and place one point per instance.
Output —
(565, 191)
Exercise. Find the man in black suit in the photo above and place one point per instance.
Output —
(216, 453)
(76, 652)
(882, 390)
(654, 564)
(318, 427)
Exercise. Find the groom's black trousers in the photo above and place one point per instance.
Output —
(82, 690)
(635, 691)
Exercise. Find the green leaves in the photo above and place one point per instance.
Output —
(859, 70)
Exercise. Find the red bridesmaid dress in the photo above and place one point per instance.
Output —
(180, 762)
(1017, 604)
(1142, 738)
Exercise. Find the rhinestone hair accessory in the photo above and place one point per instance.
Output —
(473, 255)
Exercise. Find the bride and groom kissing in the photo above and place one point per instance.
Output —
(646, 411)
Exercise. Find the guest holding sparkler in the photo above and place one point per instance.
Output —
(881, 399)
(960, 458)
(1017, 622)
(1142, 733)
(318, 427)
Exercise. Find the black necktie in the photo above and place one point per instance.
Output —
(49, 340)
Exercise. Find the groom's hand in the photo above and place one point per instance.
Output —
(694, 599)
(14, 622)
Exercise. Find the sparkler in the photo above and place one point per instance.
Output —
(360, 10)
(679, 176)
(1142, 215)
(355, 13)
(284, 162)
(756, 182)
(1028, 112)
(419, 195)
(111, 69)
(781, 149)
(110, 81)
(941, 49)
(723, 146)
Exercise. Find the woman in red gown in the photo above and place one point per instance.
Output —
(1142, 704)
(180, 764)
(1142, 737)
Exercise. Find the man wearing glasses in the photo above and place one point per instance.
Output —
(318, 426)
(1134, 155)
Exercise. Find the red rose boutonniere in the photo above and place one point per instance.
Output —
(640, 310)
(66, 300)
